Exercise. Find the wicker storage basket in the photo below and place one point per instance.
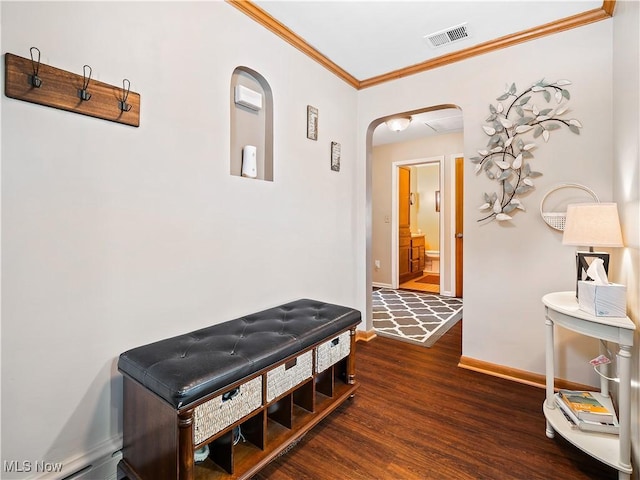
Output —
(223, 410)
(288, 375)
(557, 220)
(332, 351)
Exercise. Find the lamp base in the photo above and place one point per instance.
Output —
(583, 261)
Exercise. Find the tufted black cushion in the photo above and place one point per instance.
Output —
(185, 368)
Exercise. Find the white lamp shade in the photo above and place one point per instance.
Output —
(398, 124)
(592, 225)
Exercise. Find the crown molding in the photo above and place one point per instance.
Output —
(551, 28)
(270, 23)
(568, 23)
(608, 6)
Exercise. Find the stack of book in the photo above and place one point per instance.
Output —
(585, 412)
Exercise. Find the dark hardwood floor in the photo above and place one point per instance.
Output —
(418, 416)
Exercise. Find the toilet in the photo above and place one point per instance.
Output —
(432, 261)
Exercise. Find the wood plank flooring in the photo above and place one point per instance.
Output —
(420, 286)
(417, 416)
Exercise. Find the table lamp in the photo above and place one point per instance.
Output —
(591, 225)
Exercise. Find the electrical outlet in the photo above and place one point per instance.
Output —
(377, 264)
(386, 219)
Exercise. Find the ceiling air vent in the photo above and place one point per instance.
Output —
(449, 35)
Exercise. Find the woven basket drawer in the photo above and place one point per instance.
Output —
(223, 410)
(332, 351)
(288, 375)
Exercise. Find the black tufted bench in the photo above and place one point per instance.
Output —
(244, 373)
(185, 368)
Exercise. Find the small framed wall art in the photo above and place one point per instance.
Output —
(335, 156)
(312, 123)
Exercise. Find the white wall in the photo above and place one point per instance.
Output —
(508, 268)
(626, 182)
(114, 236)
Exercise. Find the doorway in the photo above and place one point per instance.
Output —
(432, 131)
(417, 225)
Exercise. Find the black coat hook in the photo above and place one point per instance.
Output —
(126, 86)
(34, 80)
(83, 94)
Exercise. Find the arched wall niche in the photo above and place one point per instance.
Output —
(250, 125)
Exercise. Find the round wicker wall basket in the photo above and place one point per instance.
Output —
(556, 219)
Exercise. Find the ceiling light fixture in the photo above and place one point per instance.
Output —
(398, 124)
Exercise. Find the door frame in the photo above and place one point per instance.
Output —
(395, 210)
(457, 195)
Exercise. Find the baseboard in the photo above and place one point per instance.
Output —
(100, 462)
(381, 285)
(106, 468)
(365, 336)
(520, 376)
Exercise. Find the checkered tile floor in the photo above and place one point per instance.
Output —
(414, 317)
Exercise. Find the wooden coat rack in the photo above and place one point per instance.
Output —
(34, 82)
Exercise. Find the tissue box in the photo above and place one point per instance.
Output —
(602, 300)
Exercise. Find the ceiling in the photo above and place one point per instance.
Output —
(426, 124)
(370, 38)
(368, 42)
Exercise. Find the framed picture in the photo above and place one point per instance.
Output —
(335, 156)
(312, 123)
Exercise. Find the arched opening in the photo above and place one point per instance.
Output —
(251, 125)
(432, 142)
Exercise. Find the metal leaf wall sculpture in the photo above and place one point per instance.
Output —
(506, 157)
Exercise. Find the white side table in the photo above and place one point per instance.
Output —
(561, 309)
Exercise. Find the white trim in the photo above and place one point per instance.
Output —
(75, 464)
(444, 213)
(394, 208)
(381, 285)
(452, 199)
